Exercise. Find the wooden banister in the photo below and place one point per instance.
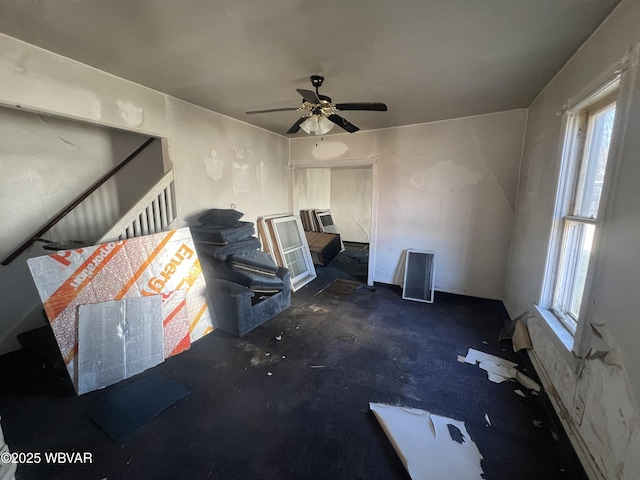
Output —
(82, 197)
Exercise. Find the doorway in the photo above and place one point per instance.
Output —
(349, 188)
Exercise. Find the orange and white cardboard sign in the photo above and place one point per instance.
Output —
(175, 323)
(158, 264)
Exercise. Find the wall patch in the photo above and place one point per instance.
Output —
(214, 166)
(261, 173)
(133, 115)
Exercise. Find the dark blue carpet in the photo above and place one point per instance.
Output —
(297, 408)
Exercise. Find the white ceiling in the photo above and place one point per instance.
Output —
(426, 59)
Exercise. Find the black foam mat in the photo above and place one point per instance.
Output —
(130, 406)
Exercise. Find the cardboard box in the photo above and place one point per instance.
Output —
(323, 246)
(159, 264)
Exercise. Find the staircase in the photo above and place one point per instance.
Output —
(156, 211)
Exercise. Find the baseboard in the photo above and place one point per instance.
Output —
(579, 445)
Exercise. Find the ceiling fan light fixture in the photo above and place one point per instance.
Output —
(317, 124)
(310, 124)
(320, 113)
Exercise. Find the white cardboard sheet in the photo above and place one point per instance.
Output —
(498, 369)
(430, 446)
(474, 356)
(117, 340)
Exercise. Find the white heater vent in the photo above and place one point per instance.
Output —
(419, 273)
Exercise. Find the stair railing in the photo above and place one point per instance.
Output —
(153, 213)
(83, 196)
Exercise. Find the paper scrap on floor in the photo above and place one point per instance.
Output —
(430, 446)
(527, 382)
(521, 339)
(499, 369)
(156, 264)
(117, 340)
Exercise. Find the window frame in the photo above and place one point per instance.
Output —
(309, 272)
(330, 227)
(575, 139)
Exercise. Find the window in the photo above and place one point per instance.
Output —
(292, 250)
(325, 220)
(583, 171)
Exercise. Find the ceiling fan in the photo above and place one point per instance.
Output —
(321, 113)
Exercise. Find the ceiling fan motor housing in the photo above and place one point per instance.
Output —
(316, 80)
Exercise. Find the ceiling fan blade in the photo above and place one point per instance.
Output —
(288, 109)
(343, 123)
(309, 95)
(371, 106)
(295, 128)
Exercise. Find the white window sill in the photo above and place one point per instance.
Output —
(559, 335)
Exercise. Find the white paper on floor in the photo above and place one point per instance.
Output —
(117, 340)
(527, 382)
(498, 369)
(429, 446)
(497, 373)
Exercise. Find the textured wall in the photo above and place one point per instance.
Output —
(351, 202)
(220, 162)
(312, 188)
(445, 186)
